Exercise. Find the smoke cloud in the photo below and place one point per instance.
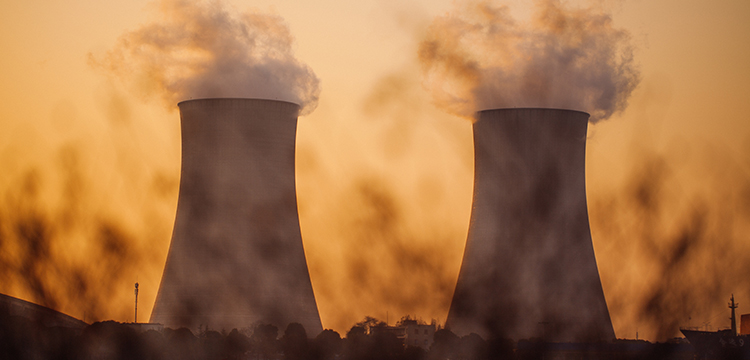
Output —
(671, 256)
(479, 57)
(384, 264)
(60, 249)
(202, 50)
(384, 211)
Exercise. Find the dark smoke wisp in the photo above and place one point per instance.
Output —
(201, 50)
(47, 250)
(480, 57)
(670, 255)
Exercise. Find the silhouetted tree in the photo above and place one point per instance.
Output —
(154, 345)
(368, 323)
(385, 345)
(236, 345)
(110, 340)
(21, 338)
(408, 319)
(500, 349)
(355, 344)
(264, 343)
(444, 345)
(181, 344)
(361, 344)
(473, 347)
(414, 353)
(294, 342)
(356, 332)
(212, 345)
(328, 345)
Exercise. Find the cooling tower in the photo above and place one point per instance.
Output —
(529, 268)
(236, 256)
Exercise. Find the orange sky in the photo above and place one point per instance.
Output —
(92, 169)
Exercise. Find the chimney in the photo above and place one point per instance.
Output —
(529, 268)
(236, 256)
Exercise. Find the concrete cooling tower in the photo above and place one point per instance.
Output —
(529, 268)
(236, 256)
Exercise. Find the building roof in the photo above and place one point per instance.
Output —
(16, 307)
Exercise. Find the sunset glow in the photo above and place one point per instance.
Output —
(90, 152)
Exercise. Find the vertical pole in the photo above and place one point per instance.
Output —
(733, 306)
(136, 302)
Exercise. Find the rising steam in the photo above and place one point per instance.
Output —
(479, 57)
(200, 50)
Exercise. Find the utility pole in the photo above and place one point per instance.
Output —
(733, 306)
(136, 303)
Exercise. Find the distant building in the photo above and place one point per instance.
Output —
(616, 350)
(410, 332)
(398, 331)
(418, 335)
(143, 327)
(11, 306)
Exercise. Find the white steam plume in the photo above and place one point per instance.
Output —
(200, 49)
(479, 57)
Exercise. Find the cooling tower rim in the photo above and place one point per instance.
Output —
(239, 98)
(530, 108)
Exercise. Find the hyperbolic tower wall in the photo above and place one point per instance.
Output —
(236, 256)
(529, 268)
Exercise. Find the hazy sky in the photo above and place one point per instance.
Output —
(90, 168)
